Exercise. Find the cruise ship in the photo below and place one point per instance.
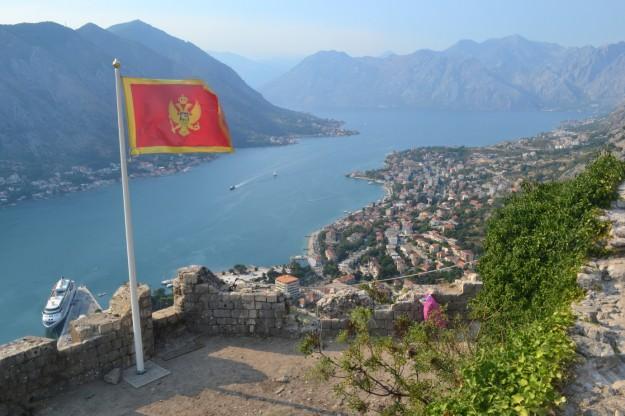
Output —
(59, 303)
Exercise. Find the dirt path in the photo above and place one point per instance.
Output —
(229, 376)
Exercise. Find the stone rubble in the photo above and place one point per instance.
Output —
(114, 376)
(597, 384)
(339, 304)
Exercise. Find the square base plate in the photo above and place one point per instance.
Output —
(152, 373)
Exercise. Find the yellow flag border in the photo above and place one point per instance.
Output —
(132, 128)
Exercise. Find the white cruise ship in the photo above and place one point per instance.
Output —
(59, 303)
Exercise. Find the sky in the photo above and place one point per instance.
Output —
(283, 28)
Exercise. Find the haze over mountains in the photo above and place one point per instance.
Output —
(57, 90)
(510, 73)
(256, 72)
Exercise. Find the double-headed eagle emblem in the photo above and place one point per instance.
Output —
(184, 117)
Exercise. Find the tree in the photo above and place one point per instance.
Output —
(161, 299)
(392, 375)
(240, 268)
(331, 269)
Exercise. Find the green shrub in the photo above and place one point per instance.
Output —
(536, 242)
(518, 377)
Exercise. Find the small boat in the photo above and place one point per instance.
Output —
(275, 173)
(59, 303)
(166, 282)
(370, 182)
(233, 187)
(101, 294)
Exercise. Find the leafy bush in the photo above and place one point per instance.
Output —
(534, 247)
(536, 242)
(518, 377)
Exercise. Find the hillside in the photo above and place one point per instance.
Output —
(255, 72)
(510, 73)
(58, 106)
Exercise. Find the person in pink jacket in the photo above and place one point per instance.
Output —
(432, 311)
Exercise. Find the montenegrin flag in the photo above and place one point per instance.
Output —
(174, 116)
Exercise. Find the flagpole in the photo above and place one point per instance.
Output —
(130, 249)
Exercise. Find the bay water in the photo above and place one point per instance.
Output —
(194, 217)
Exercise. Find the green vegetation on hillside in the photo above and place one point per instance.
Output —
(535, 244)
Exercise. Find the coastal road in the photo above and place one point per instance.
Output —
(311, 253)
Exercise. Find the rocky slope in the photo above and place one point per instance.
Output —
(511, 73)
(598, 380)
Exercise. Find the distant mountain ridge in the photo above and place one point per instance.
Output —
(58, 97)
(256, 72)
(510, 73)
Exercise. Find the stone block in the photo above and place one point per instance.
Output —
(400, 315)
(240, 313)
(278, 307)
(235, 298)
(222, 313)
(201, 288)
(260, 298)
(266, 313)
(383, 314)
(247, 297)
(114, 376)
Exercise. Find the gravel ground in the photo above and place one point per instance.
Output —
(228, 376)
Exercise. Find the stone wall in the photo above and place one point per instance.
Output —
(383, 320)
(32, 368)
(201, 302)
(454, 298)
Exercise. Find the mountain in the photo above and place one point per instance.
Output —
(510, 73)
(58, 105)
(256, 72)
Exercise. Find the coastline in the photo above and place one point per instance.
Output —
(312, 239)
(565, 136)
(110, 176)
(337, 163)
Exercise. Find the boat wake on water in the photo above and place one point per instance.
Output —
(272, 173)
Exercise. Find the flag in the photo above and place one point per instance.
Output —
(174, 116)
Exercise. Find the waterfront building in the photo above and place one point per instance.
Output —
(289, 285)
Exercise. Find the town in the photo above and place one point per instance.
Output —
(431, 222)
(427, 231)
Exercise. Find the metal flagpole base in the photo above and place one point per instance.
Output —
(152, 373)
